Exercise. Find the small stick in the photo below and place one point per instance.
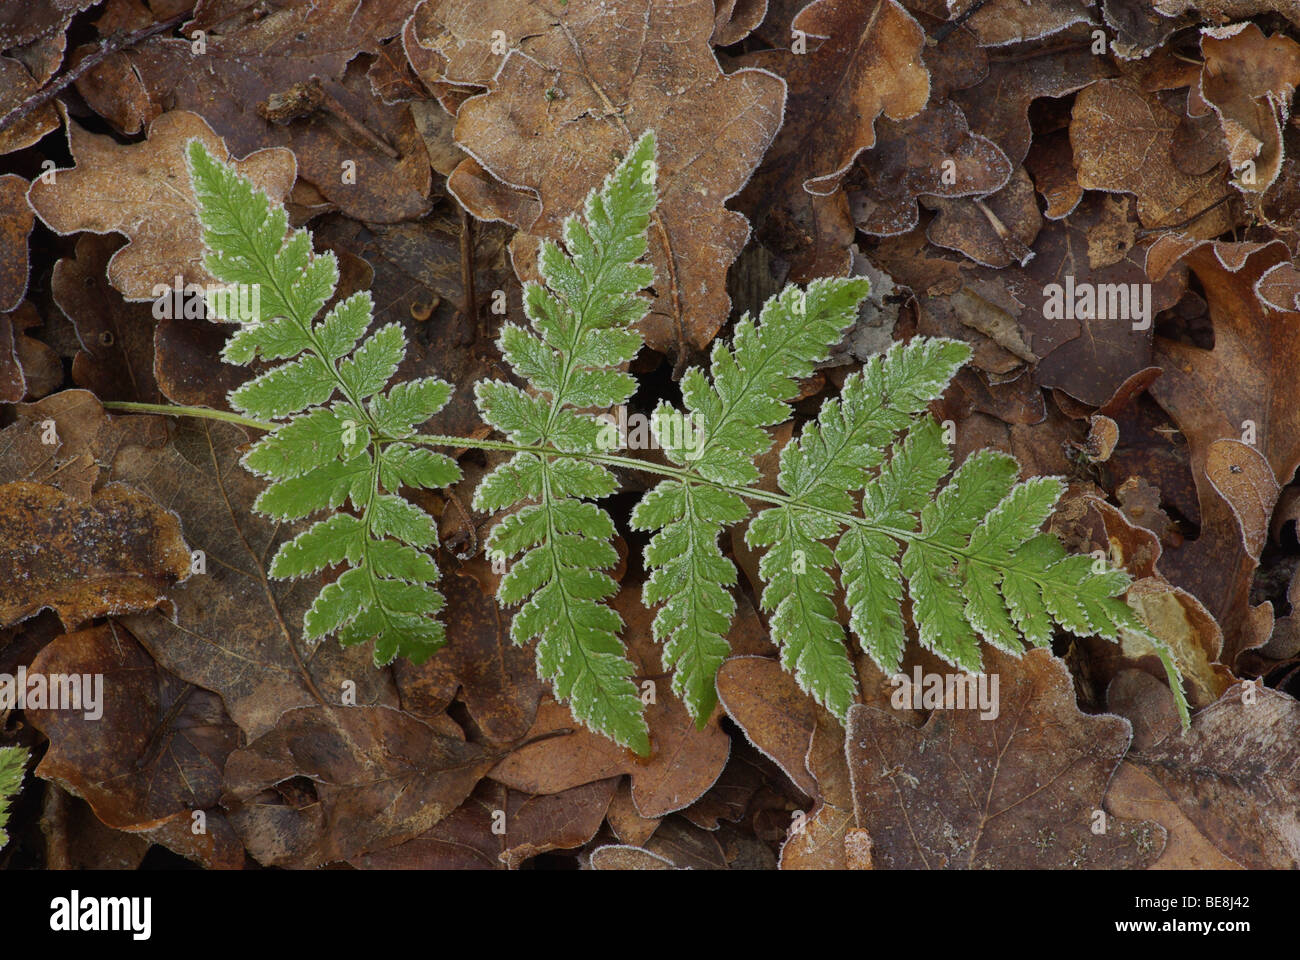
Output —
(112, 45)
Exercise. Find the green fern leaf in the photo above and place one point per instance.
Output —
(867, 501)
(333, 447)
(13, 762)
(582, 325)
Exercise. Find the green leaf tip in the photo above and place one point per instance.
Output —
(13, 764)
(334, 442)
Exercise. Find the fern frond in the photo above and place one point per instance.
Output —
(746, 390)
(863, 494)
(339, 437)
(13, 761)
(868, 503)
(582, 322)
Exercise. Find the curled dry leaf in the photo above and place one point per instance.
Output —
(776, 716)
(821, 841)
(1243, 478)
(736, 19)
(1176, 617)
(155, 754)
(1019, 790)
(1250, 80)
(143, 190)
(1233, 775)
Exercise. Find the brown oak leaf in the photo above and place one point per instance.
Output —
(143, 190)
(1233, 775)
(1022, 789)
(155, 754)
(581, 92)
(1211, 395)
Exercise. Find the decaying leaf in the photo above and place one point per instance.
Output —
(143, 191)
(376, 777)
(1021, 789)
(873, 51)
(149, 757)
(16, 222)
(1243, 390)
(581, 91)
(1250, 80)
(684, 761)
(117, 553)
(1141, 162)
(1233, 775)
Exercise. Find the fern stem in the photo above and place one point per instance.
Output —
(605, 459)
(172, 410)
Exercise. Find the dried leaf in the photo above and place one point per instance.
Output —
(377, 777)
(683, 763)
(155, 754)
(1140, 162)
(1250, 80)
(1019, 790)
(117, 553)
(1233, 775)
(663, 77)
(16, 222)
(143, 191)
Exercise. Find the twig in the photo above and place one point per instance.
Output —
(941, 34)
(1190, 220)
(467, 270)
(112, 45)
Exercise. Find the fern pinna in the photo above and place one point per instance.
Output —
(862, 503)
(13, 763)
